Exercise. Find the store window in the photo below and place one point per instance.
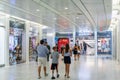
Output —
(84, 38)
(16, 40)
(104, 45)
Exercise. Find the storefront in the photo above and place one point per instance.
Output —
(88, 38)
(2, 40)
(15, 35)
(62, 43)
(16, 40)
(104, 43)
(33, 41)
(61, 39)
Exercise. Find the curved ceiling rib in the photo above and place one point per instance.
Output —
(105, 14)
(85, 11)
(79, 13)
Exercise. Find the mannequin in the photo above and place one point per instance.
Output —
(18, 52)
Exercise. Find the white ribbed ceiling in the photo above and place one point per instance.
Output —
(62, 15)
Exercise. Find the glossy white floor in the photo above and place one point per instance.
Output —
(87, 68)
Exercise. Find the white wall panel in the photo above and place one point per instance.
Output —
(118, 42)
(114, 42)
(2, 45)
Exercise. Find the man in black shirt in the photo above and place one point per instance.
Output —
(48, 49)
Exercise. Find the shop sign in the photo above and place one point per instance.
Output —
(15, 31)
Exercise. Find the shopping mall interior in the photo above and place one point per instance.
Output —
(23, 23)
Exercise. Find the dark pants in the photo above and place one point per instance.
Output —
(47, 57)
(36, 59)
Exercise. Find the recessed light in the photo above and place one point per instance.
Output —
(37, 10)
(66, 8)
(79, 13)
(44, 27)
(77, 17)
(54, 18)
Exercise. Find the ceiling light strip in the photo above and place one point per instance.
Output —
(82, 12)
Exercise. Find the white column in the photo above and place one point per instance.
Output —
(7, 41)
(74, 34)
(113, 44)
(117, 45)
(53, 39)
(27, 26)
(95, 38)
(39, 33)
(117, 41)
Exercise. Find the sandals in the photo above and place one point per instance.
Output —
(68, 76)
(65, 75)
(39, 77)
(46, 75)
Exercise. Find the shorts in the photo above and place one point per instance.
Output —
(75, 52)
(42, 61)
(54, 66)
(79, 52)
(67, 60)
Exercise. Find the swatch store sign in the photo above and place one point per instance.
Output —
(83, 33)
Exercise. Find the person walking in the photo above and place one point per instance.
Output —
(84, 47)
(42, 58)
(55, 57)
(48, 46)
(75, 51)
(79, 52)
(67, 53)
(56, 46)
(36, 52)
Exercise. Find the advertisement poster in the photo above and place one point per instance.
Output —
(62, 43)
(104, 42)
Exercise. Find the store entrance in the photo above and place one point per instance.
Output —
(15, 41)
(62, 43)
(15, 50)
(32, 48)
(86, 42)
(33, 42)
